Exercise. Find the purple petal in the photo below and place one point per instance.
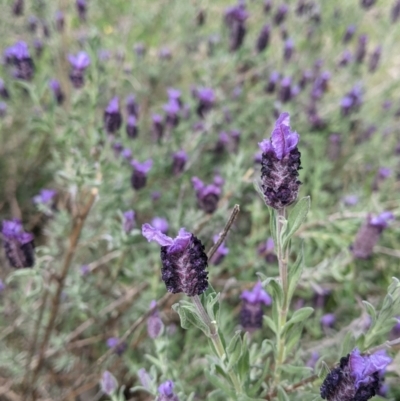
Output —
(152, 234)
(198, 185)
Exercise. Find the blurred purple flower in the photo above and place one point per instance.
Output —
(45, 196)
(132, 108)
(116, 344)
(345, 58)
(361, 49)
(166, 393)
(59, 20)
(155, 325)
(81, 7)
(288, 49)
(18, 244)
(131, 127)
(267, 250)
(157, 127)
(350, 200)
(129, 221)
(374, 59)
(235, 17)
(172, 109)
(348, 35)
(395, 11)
(252, 302)
(358, 377)
(263, 38)
(18, 7)
(179, 160)
(3, 109)
(312, 360)
(280, 14)
(368, 235)
(207, 195)
(144, 378)
(328, 320)
(160, 224)
(126, 153)
(112, 116)
(140, 171)
(108, 383)
(3, 90)
(285, 90)
(273, 80)
(206, 98)
(220, 253)
(79, 63)
(55, 87)
(18, 56)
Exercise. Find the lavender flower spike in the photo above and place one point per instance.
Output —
(166, 392)
(280, 164)
(55, 87)
(357, 378)
(108, 383)
(368, 235)
(18, 244)
(183, 259)
(116, 344)
(112, 116)
(207, 195)
(139, 175)
(79, 63)
(251, 313)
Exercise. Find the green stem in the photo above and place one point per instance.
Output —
(216, 340)
(283, 309)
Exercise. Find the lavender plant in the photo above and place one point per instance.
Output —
(118, 118)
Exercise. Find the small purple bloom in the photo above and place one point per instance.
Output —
(288, 49)
(129, 221)
(155, 325)
(281, 13)
(132, 108)
(18, 55)
(251, 313)
(165, 53)
(367, 3)
(131, 127)
(60, 21)
(312, 360)
(263, 38)
(144, 378)
(280, 165)
(358, 377)
(172, 109)
(350, 200)
(179, 160)
(55, 87)
(235, 18)
(273, 80)
(328, 320)
(108, 383)
(118, 346)
(395, 12)
(139, 49)
(207, 195)
(361, 50)
(374, 60)
(81, 7)
(85, 270)
(222, 143)
(157, 127)
(206, 97)
(348, 35)
(45, 196)
(368, 235)
(285, 90)
(79, 63)
(166, 392)
(220, 253)
(175, 94)
(112, 116)
(160, 224)
(18, 7)
(183, 259)
(126, 153)
(3, 109)
(267, 249)
(345, 58)
(18, 244)
(140, 171)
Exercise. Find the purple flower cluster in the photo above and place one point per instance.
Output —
(79, 63)
(252, 303)
(18, 244)
(18, 56)
(368, 235)
(280, 164)
(357, 378)
(207, 195)
(183, 259)
(235, 18)
(112, 116)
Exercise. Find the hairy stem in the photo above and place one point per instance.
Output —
(216, 340)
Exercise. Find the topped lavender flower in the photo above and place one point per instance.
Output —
(79, 63)
(18, 55)
(183, 259)
(357, 378)
(166, 392)
(280, 164)
(45, 196)
(207, 195)
(139, 175)
(112, 116)
(18, 244)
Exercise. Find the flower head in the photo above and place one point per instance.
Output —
(18, 244)
(206, 97)
(131, 126)
(357, 378)
(280, 165)
(80, 61)
(368, 235)
(55, 87)
(18, 55)
(112, 116)
(252, 302)
(140, 171)
(166, 392)
(116, 344)
(183, 259)
(161, 224)
(108, 383)
(129, 221)
(207, 195)
(179, 160)
(45, 196)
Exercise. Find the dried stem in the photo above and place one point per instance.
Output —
(78, 223)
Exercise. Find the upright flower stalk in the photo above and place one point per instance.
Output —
(279, 185)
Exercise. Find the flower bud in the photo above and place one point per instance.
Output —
(357, 378)
(112, 116)
(131, 127)
(79, 63)
(116, 344)
(108, 383)
(183, 259)
(179, 160)
(207, 195)
(18, 244)
(18, 55)
(55, 87)
(166, 393)
(263, 38)
(140, 171)
(280, 165)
